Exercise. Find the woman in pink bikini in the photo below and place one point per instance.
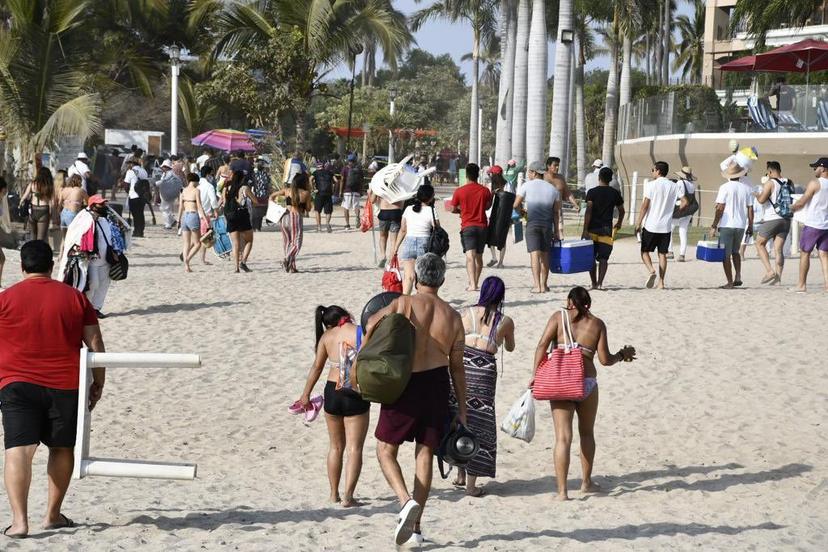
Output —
(590, 336)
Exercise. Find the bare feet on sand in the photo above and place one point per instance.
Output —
(350, 502)
(591, 487)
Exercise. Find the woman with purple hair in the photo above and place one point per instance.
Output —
(486, 330)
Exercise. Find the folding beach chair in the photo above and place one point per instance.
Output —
(822, 114)
(760, 114)
(786, 119)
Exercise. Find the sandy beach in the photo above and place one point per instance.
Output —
(715, 438)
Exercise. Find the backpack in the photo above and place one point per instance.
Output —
(784, 199)
(354, 182)
(324, 182)
(142, 188)
(438, 241)
(347, 358)
(383, 364)
(261, 186)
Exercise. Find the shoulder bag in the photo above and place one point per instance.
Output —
(560, 376)
(438, 241)
(689, 209)
(118, 263)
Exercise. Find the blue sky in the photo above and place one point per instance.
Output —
(441, 37)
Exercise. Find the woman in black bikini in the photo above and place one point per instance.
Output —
(234, 196)
(41, 191)
(346, 413)
(589, 334)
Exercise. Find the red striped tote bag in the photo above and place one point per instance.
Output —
(560, 376)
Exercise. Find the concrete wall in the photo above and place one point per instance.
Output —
(704, 152)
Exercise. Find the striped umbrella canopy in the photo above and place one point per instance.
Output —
(225, 139)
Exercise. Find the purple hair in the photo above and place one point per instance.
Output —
(492, 295)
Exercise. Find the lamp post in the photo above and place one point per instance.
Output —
(354, 51)
(175, 57)
(392, 95)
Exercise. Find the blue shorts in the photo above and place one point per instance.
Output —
(66, 218)
(191, 222)
(412, 248)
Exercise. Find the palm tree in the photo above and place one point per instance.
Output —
(505, 103)
(537, 83)
(44, 83)
(480, 14)
(490, 58)
(196, 113)
(760, 17)
(611, 104)
(560, 94)
(690, 49)
(330, 30)
(521, 82)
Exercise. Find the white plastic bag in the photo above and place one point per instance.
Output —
(520, 421)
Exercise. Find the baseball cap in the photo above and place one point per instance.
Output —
(96, 199)
(495, 169)
(821, 162)
(82, 155)
(537, 166)
(597, 163)
(167, 164)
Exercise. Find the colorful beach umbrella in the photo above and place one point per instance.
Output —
(225, 139)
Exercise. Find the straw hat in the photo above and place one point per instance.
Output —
(686, 173)
(734, 170)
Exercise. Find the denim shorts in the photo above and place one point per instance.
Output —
(412, 248)
(66, 218)
(191, 222)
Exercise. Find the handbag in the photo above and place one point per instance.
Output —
(366, 219)
(520, 421)
(118, 263)
(689, 209)
(391, 278)
(275, 212)
(560, 376)
(438, 241)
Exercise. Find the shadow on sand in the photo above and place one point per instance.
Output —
(176, 307)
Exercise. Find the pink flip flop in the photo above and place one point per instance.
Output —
(296, 408)
(316, 407)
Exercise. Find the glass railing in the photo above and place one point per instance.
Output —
(797, 108)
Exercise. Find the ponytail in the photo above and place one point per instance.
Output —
(425, 194)
(580, 299)
(328, 317)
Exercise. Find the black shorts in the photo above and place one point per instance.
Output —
(474, 238)
(323, 203)
(390, 220)
(650, 241)
(539, 236)
(34, 414)
(601, 250)
(343, 403)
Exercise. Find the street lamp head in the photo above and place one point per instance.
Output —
(175, 53)
(567, 36)
(392, 93)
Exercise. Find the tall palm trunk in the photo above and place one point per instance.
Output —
(665, 58)
(659, 50)
(611, 106)
(625, 93)
(536, 84)
(508, 36)
(521, 83)
(580, 115)
(647, 57)
(301, 115)
(475, 102)
(558, 145)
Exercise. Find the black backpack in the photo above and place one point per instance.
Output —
(142, 188)
(354, 182)
(324, 182)
(438, 241)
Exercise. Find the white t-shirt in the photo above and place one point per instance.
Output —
(132, 177)
(209, 200)
(591, 180)
(663, 194)
(737, 198)
(79, 168)
(201, 159)
(419, 225)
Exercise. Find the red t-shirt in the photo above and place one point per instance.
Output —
(41, 333)
(473, 199)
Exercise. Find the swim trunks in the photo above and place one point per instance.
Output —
(343, 403)
(421, 414)
(35, 414)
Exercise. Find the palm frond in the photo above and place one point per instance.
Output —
(79, 117)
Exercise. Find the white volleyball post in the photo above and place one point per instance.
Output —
(794, 236)
(633, 193)
(86, 465)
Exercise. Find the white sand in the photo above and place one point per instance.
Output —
(714, 439)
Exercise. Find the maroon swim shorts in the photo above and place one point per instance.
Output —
(421, 413)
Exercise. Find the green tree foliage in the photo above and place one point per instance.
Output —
(690, 48)
(760, 17)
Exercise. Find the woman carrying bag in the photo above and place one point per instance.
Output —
(418, 222)
(568, 379)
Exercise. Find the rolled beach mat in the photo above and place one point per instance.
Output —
(377, 303)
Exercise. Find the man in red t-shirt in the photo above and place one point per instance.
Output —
(471, 201)
(43, 325)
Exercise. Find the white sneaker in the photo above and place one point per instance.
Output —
(415, 540)
(407, 519)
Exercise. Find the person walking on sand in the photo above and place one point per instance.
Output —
(499, 184)
(41, 193)
(733, 219)
(660, 197)
(234, 197)
(350, 189)
(72, 199)
(138, 181)
(346, 413)
(602, 201)
(418, 221)
(298, 202)
(421, 412)
(210, 204)
(589, 334)
(322, 181)
(543, 205)
(191, 214)
(472, 200)
(43, 325)
(687, 180)
(487, 328)
(552, 176)
(776, 200)
(814, 204)
(169, 188)
(390, 220)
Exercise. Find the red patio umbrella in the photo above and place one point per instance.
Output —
(800, 57)
(742, 64)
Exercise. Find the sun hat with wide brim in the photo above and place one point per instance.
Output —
(734, 170)
(686, 173)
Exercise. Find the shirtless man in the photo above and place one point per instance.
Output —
(422, 411)
(553, 165)
(390, 218)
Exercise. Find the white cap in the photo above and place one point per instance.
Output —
(82, 155)
(597, 163)
(167, 163)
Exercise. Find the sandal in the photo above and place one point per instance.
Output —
(18, 536)
(63, 523)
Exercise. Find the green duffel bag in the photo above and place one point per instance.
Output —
(383, 364)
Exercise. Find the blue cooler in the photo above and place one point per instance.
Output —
(710, 251)
(571, 256)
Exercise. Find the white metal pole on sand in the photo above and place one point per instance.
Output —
(174, 110)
